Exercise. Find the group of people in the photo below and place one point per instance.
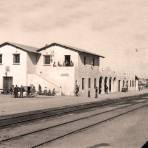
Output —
(18, 92)
(49, 92)
(29, 91)
(97, 90)
(46, 91)
(65, 63)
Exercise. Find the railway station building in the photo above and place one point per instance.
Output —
(58, 66)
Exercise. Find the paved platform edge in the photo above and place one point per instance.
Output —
(102, 102)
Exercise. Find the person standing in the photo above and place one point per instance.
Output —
(49, 92)
(53, 92)
(40, 90)
(45, 91)
(16, 92)
(21, 91)
(12, 90)
(96, 92)
(76, 89)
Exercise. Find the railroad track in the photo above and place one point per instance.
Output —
(43, 136)
(23, 118)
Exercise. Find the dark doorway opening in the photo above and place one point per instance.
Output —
(100, 85)
(88, 93)
(119, 85)
(105, 85)
(110, 84)
(7, 84)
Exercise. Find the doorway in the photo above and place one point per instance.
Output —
(105, 85)
(88, 93)
(100, 85)
(118, 85)
(110, 84)
(7, 84)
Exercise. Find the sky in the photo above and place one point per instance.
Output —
(116, 29)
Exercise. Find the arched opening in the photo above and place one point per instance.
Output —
(100, 85)
(105, 85)
(123, 83)
(119, 85)
(110, 84)
(127, 85)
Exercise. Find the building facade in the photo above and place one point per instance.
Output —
(16, 62)
(58, 66)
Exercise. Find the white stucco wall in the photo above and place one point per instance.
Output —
(18, 72)
(57, 76)
(54, 77)
(58, 55)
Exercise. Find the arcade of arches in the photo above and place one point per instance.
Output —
(113, 84)
(106, 84)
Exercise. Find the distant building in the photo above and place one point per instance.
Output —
(57, 66)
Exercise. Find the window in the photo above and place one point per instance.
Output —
(94, 82)
(16, 58)
(89, 83)
(47, 59)
(84, 60)
(83, 83)
(67, 61)
(93, 61)
(0, 58)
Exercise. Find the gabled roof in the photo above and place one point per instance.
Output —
(69, 47)
(21, 46)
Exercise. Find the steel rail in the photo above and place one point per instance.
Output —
(86, 127)
(58, 125)
(54, 113)
(59, 112)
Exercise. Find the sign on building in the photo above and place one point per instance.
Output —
(7, 69)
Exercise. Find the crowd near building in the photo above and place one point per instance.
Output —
(59, 67)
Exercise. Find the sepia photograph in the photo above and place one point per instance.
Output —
(74, 74)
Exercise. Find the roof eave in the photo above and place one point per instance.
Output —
(7, 43)
(57, 44)
(92, 54)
